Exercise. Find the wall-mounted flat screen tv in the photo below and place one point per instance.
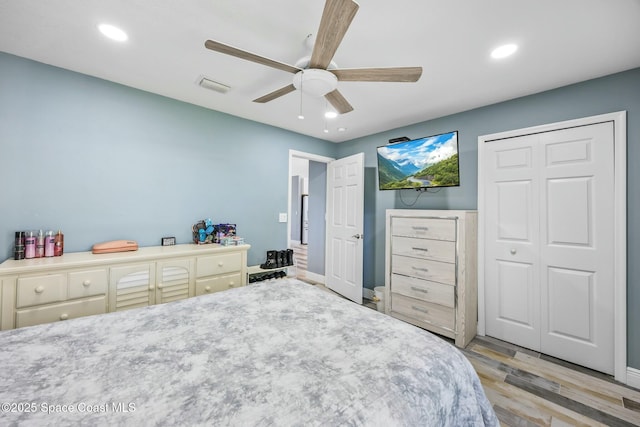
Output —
(426, 162)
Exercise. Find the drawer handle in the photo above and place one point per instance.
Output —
(151, 287)
(232, 284)
(421, 249)
(426, 270)
(220, 264)
(86, 283)
(207, 288)
(39, 290)
(415, 288)
(159, 285)
(421, 228)
(64, 316)
(420, 309)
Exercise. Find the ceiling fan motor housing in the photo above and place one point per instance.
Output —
(315, 82)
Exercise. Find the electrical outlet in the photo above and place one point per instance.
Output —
(282, 217)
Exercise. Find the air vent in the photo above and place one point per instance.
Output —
(213, 85)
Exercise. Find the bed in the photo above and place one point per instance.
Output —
(277, 353)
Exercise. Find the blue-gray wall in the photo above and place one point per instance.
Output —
(604, 95)
(102, 161)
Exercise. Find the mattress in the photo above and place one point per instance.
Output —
(278, 353)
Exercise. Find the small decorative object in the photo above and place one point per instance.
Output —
(204, 232)
(232, 241)
(168, 241)
(224, 230)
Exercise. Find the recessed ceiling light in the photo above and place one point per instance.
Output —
(331, 114)
(504, 51)
(114, 33)
(342, 129)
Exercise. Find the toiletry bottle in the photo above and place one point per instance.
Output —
(30, 244)
(49, 243)
(59, 244)
(40, 244)
(18, 249)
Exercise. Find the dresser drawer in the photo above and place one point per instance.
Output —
(87, 283)
(218, 264)
(62, 311)
(35, 290)
(435, 314)
(436, 271)
(439, 250)
(425, 290)
(216, 284)
(425, 228)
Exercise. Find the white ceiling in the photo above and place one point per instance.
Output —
(560, 42)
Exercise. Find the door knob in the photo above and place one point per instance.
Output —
(358, 236)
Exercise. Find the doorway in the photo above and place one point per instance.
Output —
(552, 239)
(307, 185)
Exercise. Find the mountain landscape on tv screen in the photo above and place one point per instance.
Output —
(427, 162)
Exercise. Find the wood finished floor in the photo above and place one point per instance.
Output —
(527, 388)
(530, 389)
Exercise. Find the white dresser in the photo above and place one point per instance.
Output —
(431, 270)
(80, 284)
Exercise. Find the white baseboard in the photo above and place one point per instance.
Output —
(315, 277)
(633, 377)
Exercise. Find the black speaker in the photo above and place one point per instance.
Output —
(401, 139)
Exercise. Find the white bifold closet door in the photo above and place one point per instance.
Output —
(549, 243)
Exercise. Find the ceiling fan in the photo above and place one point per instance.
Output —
(316, 75)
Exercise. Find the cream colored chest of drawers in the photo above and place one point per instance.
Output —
(431, 270)
(81, 284)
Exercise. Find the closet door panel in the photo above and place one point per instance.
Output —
(549, 245)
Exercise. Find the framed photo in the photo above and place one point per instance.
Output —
(168, 241)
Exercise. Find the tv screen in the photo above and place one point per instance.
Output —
(427, 162)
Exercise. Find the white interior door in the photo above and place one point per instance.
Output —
(345, 225)
(549, 243)
(512, 296)
(577, 245)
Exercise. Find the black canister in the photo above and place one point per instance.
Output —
(18, 249)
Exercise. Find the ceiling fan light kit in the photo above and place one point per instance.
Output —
(318, 75)
(316, 82)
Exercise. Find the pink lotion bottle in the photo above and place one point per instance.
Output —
(49, 243)
(58, 248)
(40, 244)
(29, 244)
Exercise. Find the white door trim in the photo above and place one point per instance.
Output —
(619, 120)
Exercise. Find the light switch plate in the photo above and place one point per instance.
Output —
(282, 217)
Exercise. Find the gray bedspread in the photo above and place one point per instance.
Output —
(280, 353)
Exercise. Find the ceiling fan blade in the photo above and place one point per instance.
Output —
(336, 18)
(395, 74)
(243, 54)
(338, 102)
(275, 94)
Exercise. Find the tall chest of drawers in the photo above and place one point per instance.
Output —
(431, 270)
